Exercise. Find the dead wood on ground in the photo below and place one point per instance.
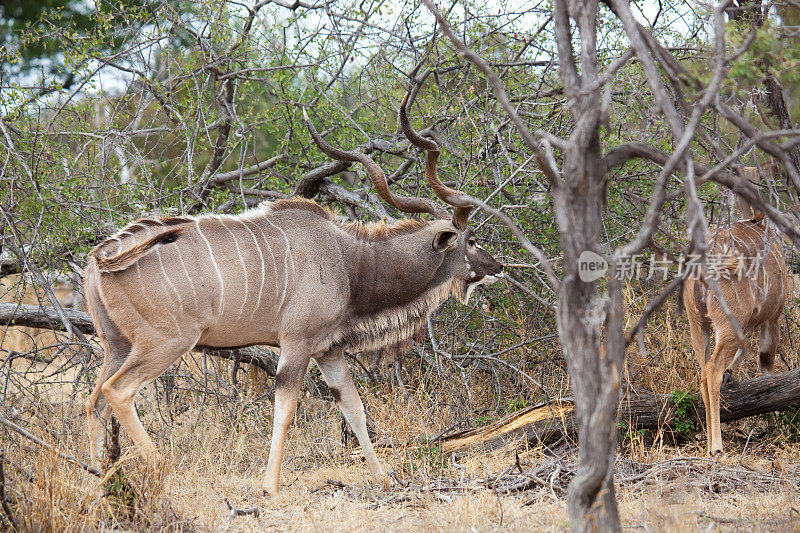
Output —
(640, 409)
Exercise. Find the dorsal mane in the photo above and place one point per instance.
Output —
(367, 231)
(139, 225)
(303, 204)
(133, 229)
(381, 231)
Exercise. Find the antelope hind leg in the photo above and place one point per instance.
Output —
(727, 376)
(144, 364)
(768, 345)
(288, 381)
(98, 410)
(337, 375)
(97, 414)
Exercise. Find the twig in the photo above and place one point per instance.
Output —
(746, 444)
(720, 519)
(652, 307)
(6, 508)
(395, 478)
(64, 455)
(235, 511)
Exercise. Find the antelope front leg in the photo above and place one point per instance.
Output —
(288, 381)
(337, 375)
(724, 353)
(707, 405)
(714, 382)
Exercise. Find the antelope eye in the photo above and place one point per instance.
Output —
(472, 242)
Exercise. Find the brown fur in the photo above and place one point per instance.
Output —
(369, 231)
(755, 301)
(304, 204)
(284, 274)
(381, 231)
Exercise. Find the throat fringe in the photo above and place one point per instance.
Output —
(394, 324)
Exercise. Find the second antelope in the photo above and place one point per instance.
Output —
(286, 274)
(755, 286)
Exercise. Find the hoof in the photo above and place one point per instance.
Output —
(150, 453)
(727, 377)
(384, 481)
(715, 453)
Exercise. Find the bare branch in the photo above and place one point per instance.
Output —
(497, 86)
(64, 455)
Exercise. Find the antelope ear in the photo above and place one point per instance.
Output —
(444, 240)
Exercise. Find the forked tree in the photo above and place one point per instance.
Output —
(579, 170)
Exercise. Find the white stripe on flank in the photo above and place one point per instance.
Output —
(219, 274)
(274, 263)
(186, 271)
(172, 286)
(287, 255)
(263, 268)
(244, 267)
(142, 287)
(141, 283)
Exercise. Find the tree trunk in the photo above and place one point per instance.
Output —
(579, 204)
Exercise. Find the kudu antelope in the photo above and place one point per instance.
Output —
(285, 274)
(752, 278)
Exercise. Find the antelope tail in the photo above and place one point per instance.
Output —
(126, 258)
(91, 293)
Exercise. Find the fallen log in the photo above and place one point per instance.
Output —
(46, 317)
(740, 399)
(537, 424)
(640, 409)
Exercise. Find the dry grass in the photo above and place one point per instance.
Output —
(212, 461)
(216, 444)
